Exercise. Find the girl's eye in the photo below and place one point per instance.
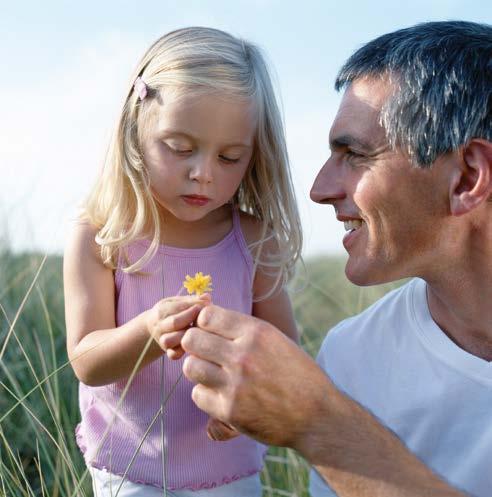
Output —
(229, 160)
(178, 150)
(183, 151)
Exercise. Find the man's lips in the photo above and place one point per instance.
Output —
(350, 238)
(352, 226)
(350, 221)
(197, 200)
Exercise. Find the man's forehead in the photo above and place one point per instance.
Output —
(369, 91)
(360, 108)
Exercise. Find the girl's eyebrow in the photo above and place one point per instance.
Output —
(237, 145)
(173, 133)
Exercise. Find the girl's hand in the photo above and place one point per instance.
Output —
(168, 320)
(219, 431)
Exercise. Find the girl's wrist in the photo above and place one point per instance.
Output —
(144, 323)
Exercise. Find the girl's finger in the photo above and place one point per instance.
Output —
(179, 321)
(182, 302)
(176, 353)
(169, 307)
(170, 340)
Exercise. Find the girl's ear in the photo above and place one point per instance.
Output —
(471, 182)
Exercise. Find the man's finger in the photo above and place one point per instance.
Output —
(207, 400)
(208, 346)
(219, 431)
(199, 371)
(224, 322)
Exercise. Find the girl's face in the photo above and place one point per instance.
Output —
(196, 150)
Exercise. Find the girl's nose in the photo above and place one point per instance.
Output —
(328, 185)
(201, 170)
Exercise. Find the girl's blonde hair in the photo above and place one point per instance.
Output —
(193, 60)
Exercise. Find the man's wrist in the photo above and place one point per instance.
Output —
(312, 435)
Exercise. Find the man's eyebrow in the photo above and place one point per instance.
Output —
(343, 141)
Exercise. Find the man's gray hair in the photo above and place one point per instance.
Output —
(442, 72)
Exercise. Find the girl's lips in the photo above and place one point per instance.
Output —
(195, 200)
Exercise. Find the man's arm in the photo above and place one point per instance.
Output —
(358, 456)
(251, 376)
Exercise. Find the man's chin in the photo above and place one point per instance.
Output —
(364, 275)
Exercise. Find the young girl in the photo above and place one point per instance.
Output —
(195, 180)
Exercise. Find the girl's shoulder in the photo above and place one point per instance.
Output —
(259, 238)
(251, 227)
(81, 243)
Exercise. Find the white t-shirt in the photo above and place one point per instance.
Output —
(394, 360)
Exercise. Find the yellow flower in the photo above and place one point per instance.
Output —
(198, 284)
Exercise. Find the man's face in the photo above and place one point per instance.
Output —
(391, 209)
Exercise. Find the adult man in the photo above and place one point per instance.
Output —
(410, 174)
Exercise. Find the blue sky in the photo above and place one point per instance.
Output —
(65, 66)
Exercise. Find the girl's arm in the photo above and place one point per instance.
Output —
(101, 352)
(277, 308)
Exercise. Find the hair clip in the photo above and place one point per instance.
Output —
(140, 88)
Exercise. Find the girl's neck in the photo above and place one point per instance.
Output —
(196, 234)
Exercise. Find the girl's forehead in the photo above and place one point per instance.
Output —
(199, 115)
(191, 99)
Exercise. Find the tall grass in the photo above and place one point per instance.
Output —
(38, 391)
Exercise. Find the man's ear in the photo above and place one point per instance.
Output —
(472, 179)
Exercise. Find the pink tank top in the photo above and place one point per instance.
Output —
(128, 438)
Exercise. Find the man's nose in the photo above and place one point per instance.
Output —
(328, 185)
(202, 170)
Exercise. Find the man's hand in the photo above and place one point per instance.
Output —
(219, 431)
(251, 376)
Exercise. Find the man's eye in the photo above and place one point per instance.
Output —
(229, 160)
(354, 158)
(351, 154)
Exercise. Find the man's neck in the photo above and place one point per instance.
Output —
(461, 306)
